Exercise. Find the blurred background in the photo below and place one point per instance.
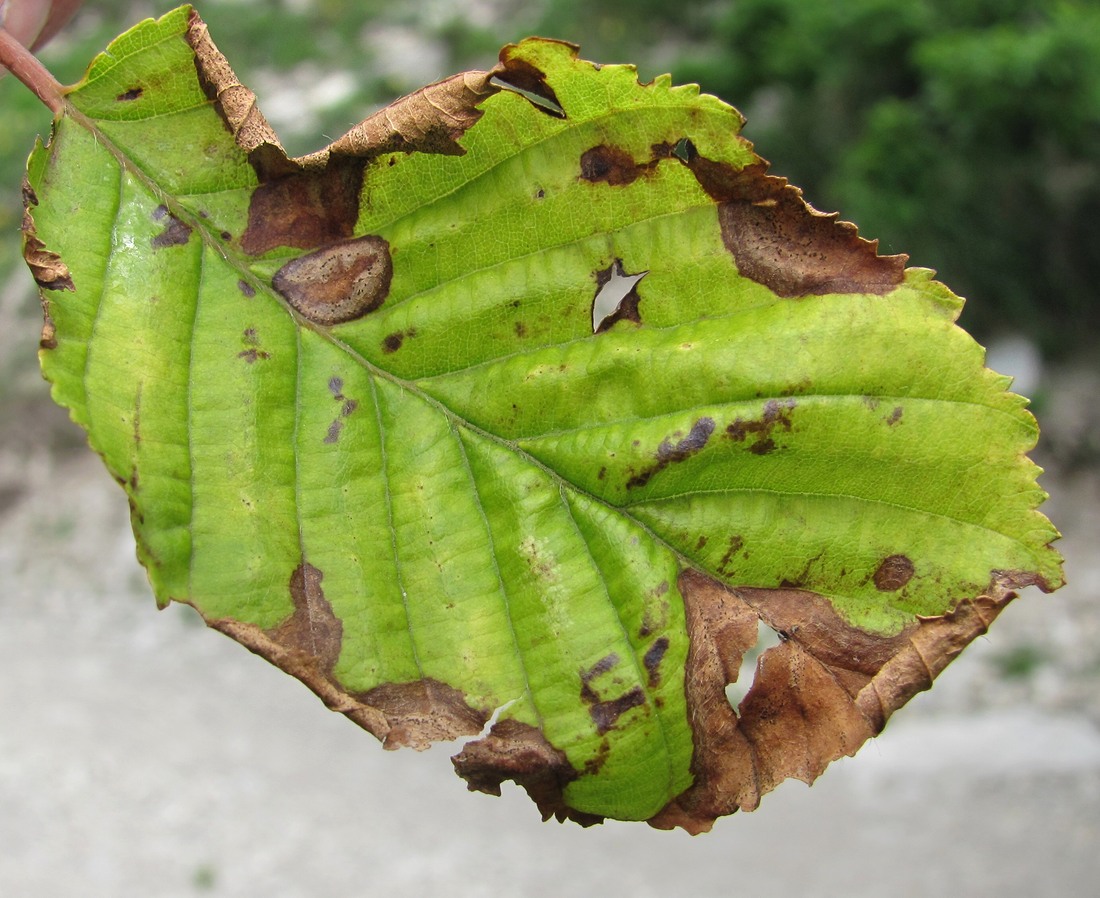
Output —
(141, 755)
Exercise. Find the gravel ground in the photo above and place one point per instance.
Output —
(141, 754)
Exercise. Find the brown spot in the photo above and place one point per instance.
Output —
(337, 283)
(394, 341)
(175, 232)
(305, 209)
(777, 413)
(613, 166)
(593, 765)
(520, 329)
(605, 664)
(519, 752)
(735, 545)
(246, 288)
(700, 543)
(818, 695)
(894, 416)
(605, 713)
(894, 572)
(312, 629)
(347, 408)
(778, 240)
(252, 354)
(422, 712)
(652, 660)
(668, 454)
(132, 94)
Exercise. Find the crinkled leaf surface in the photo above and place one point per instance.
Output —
(375, 424)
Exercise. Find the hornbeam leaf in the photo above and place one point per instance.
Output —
(376, 423)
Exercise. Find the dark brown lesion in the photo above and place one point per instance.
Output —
(605, 712)
(652, 660)
(894, 572)
(669, 453)
(252, 352)
(305, 208)
(393, 342)
(776, 414)
(613, 166)
(175, 232)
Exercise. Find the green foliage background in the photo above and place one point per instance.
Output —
(964, 132)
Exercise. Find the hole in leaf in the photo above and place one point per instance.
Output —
(538, 94)
(766, 638)
(685, 151)
(613, 299)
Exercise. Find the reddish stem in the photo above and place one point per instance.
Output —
(23, 64)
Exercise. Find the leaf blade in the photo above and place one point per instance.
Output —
(452, 494)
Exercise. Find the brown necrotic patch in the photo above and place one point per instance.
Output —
(423, 711)
(669, 453)
(778, 240)
(246, 289)
(894, 572)
(305, 208)
(133, 93)
(817, 696)
(337, 283)
(313, 629)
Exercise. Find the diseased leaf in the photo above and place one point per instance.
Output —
(533, 392)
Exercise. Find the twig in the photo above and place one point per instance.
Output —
(23, 64)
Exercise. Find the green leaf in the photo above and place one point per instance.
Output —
(378, 420)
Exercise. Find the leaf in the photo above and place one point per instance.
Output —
(376, 423)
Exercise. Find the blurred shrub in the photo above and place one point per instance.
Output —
(964, 132)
